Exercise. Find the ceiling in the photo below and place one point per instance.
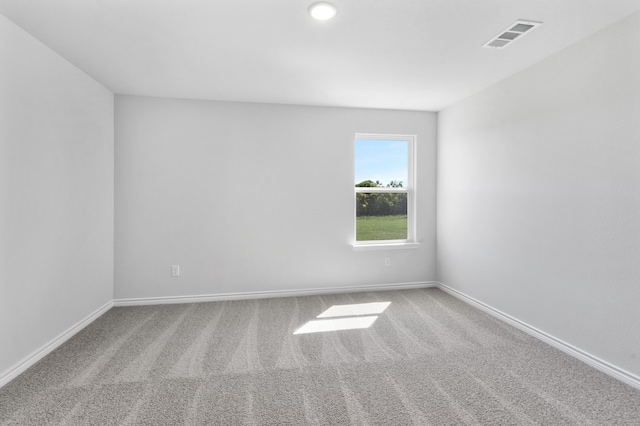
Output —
(397, 54)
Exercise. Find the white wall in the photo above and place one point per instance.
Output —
(539, 195)
(56, 195)
(253, 197)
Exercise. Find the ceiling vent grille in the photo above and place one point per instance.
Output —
(512, 33)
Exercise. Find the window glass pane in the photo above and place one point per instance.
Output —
(381, 162)
(381, 216)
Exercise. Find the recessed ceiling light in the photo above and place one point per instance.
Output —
(322, 11)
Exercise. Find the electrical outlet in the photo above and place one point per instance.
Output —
(175, 270)
(387, 261)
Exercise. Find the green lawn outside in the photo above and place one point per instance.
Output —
(369, 228)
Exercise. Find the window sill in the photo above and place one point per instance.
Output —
(386, 246)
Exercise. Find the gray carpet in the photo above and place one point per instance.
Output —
(429, 359)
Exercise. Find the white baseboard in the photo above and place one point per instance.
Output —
(607, 368)
(28, 361)
(265, 294)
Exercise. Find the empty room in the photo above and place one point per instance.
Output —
(290, 212)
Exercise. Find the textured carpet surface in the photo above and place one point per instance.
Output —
(428, 359)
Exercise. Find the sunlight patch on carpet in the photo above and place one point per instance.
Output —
(355, 309)
(351, 323)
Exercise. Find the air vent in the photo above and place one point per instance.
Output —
(521, 28)
(511, 34)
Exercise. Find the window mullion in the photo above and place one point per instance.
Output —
(381, 190)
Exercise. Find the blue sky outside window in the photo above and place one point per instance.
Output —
(381, 160)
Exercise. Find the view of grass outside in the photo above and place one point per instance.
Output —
(381, 216)
(370, 228)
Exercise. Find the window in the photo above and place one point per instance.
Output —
(384, 191)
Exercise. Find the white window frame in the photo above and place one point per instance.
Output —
(410, 190)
